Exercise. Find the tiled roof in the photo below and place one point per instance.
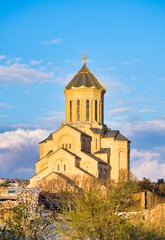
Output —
(121, 137)
(96, 130)
(103, 150)
(115, 134)
(48, 138)
(84, 78)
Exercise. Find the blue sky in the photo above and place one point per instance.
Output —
(41, 46)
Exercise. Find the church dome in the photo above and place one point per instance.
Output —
(84, 79)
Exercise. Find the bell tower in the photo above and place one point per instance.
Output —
(84, 99)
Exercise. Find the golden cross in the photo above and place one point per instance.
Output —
(84, 58)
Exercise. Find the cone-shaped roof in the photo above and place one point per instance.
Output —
(84, 79)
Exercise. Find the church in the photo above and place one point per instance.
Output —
(83, 146)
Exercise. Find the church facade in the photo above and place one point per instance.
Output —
(83, 146)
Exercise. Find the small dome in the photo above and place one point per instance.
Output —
(84, 79)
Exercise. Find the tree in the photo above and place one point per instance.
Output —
(105, 212)
(24, 220)
(158, 187)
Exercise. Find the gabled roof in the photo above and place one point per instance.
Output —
(50, 137)
(115, 134)
(120, 137)
(84, 79)
(51, 152)
(94, 157)
(66, 150)
(96, 130)
(103, 150)
(78, 130)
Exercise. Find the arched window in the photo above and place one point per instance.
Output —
(87, 110)
(78, 110)
(70, 111)
(96, 110)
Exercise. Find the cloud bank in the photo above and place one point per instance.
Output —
(149, 164)
(23, 74)
(19, 150)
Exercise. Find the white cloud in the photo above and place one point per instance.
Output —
(18, 59)
(121, 110)
(53, 41)
(131, 61)
(62, 114)
(20, 137)
(4, 105)
(120, 118)
(111, 68)
(35, 62)
(8, 62)
(131, 128)
(52, 122)
(147, 164)
(2, 57)
(113, 84)
(23, 74)
(65, 79)
(18, 151)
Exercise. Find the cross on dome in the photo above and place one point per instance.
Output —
(84, 58)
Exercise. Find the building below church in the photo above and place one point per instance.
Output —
(83, 146)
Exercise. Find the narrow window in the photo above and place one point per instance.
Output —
(83, 145)
(69, 145)
(102, 112)
(100, 115)
(96, 110)
(62, 145)
(87, 110)
(64, 167)
(66, 146)
(58, 167)
(88, 146)
(70, 111)
(78, 110)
